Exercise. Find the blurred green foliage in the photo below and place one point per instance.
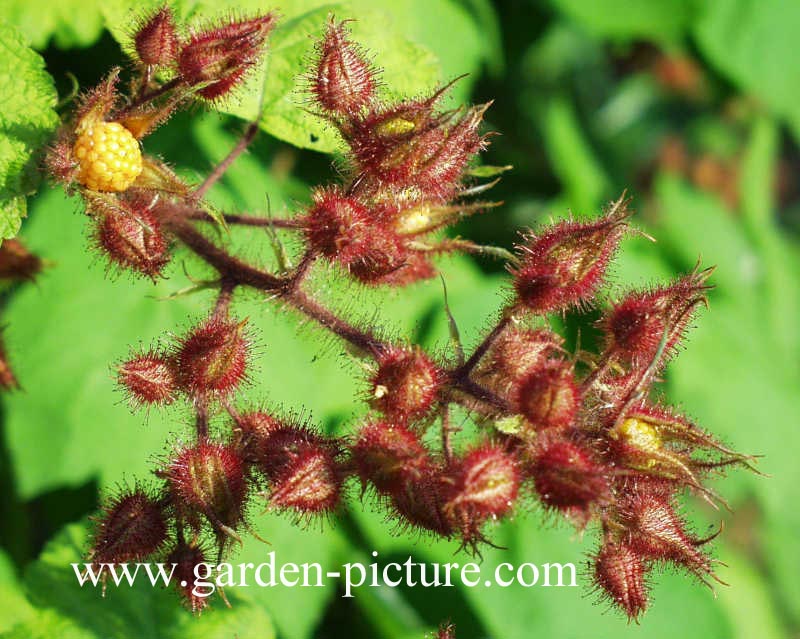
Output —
(690, 105)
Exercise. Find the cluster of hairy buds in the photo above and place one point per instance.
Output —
(207, 484)
(130, 196)
(406, 167)
(581, 432)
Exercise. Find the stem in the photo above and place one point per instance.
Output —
(466, 385)
(224, 299)
(363, 340)
(228, 266)
(201, 420)
(252, 220)
(219, 170)
(467, 367)
(143, 98)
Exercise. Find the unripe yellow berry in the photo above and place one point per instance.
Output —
(108, 155)
(639, 434)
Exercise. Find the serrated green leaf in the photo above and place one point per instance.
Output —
(65, 609)
(27, 118)
(69, 23)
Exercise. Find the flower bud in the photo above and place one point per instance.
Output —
(8, 381)
(217, 59)
(656, 532)
(564, 265)
(406, 384)
(487, 481)
(636, 326)
(17, 263)
(420, 503)
(446, 631)
(415, 151)
(210, 478)
(186, 558)
(156, 39)
(254, 429)
(620, 573)
(133, 526)
(518, 350)
(130, 235)
(388, 455)
(567, 477)
(148, 378)
(547, 396)
(303, 470)
(213, 358)
(343, 81)
(344, 230)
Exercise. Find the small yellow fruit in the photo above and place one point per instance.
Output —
(109, 157)
(639, 434)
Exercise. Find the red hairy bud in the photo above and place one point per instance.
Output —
(419, 154)
(209, 478)
(60, 163)
(132, 527)
(620, 573)
(303, 470)
(148, 378)
(547, 396)
(446, 631)
(344, 230)
(130, 235)
(186, 558)
(487, 482)
(156, 40)
(343, 80)
(213, 358)
(8, 381)
(656, 532)
(389, 455)
(567, 477)
(421, 501)
(519, 350)
(219, 58)
(17, 263)
(636, 326)
(405, 385)
(564, 265)
(254, 429)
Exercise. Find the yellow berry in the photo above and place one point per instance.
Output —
(395, 126)
(639, 434)
(109, 158)
(414, 220)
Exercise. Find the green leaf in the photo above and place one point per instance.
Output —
(65, 609)
(628, 19)
(15, 606)
(753, 42)
(69, 23)
(573, 158)
(744, 354)
(27, 118)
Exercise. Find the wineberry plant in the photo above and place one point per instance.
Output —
(582, 433)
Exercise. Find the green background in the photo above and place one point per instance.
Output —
(692, 106)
